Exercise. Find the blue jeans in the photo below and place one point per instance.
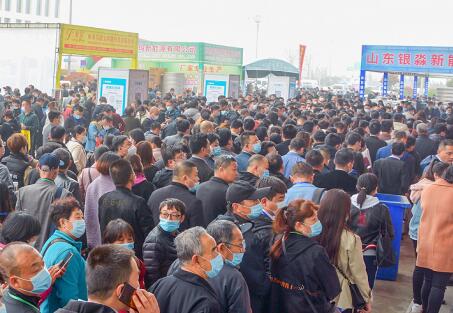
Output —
(371, 268)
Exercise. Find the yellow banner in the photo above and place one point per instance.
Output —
(27, 135)
(89, 41)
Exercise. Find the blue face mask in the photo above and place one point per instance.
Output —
(78, 228)
(216, 266)
(216, 151)
(169, 109)
(223, 112)
(127, 245)
(22, 110)
(194, 188)
(84, 141)
(41, 281)
(316, 229)
(255, 211)
(237, 259)
(265, 174)
(168, 225)
(281, 204)
(257, 147)
(77, 117)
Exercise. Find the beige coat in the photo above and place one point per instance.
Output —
(435, 234)
(78, 154)
(350, 261)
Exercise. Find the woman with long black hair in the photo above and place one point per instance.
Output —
(303, 280)
(344, 248)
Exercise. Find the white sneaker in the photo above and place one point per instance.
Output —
(416, 308)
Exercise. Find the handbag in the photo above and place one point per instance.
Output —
(358, 302)
(384, 251)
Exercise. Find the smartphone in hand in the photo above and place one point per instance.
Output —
(126, 296)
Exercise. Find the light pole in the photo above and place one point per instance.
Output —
(70, 22)
(257, 19)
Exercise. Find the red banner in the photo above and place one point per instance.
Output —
(302, 49)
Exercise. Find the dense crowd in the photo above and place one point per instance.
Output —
(242, 205)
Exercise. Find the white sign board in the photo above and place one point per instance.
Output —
(113, 85)
(215, 86)
(278, 85)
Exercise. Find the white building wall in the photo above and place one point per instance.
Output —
(34, 11)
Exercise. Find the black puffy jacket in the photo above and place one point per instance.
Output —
(159, 252)
(17, 164)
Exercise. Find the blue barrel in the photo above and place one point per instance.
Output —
(397, 205)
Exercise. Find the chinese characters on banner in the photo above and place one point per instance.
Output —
(407, 59)
(401, 87)
(302, 49)
(362, 84)
(426, 87)
(385, 82)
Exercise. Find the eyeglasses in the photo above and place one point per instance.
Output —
(173, 216)
(242, 247)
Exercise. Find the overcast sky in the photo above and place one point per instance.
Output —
(332, 30)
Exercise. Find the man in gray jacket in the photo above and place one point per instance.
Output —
(36, 199)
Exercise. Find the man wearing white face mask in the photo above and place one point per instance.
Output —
(67, 215)
(27, 278)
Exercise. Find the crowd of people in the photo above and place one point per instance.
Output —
(249, 205)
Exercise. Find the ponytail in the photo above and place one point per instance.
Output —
(361, 196)
(286, 219)
(366, 184)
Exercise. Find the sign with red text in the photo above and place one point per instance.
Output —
(407, 59)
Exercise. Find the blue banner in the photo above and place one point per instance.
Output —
(414, 93)
(407, 59)
(426, 86)
(401, 86)
(362, 84)
(385, 82)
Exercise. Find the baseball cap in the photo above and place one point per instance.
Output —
(242, 190)
(49, 161)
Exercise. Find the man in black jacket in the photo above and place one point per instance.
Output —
(159, 249)
(424, 145)
(190, 292)
(108, 269)
(258, 166)
(170, 156)
(372, 142)
(230, 285)
(339, 178)
(289, 132)
(245, 206)
(213, 192)
(122, 203)
(199, 145)
(183, 187)
(393, 174)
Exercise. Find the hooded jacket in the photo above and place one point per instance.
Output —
(370, 220)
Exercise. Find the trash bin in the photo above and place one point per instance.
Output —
(396, 204)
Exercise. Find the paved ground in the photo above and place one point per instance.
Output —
(395, 296)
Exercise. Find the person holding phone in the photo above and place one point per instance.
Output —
(113, 285)
(67, 215)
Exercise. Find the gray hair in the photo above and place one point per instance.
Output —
(188, 243)
(422, 128)
(221, 231)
